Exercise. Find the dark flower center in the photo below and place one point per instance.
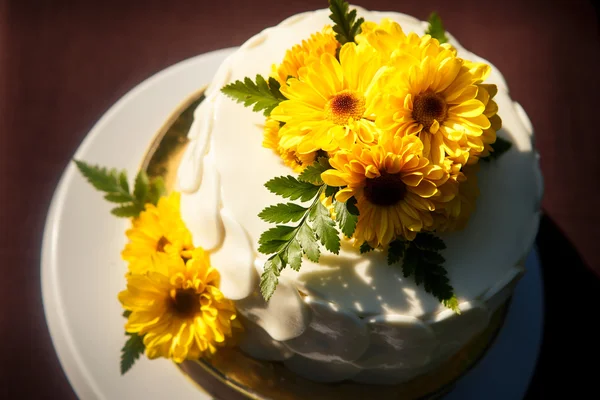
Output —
(345, 105)
(162, 242)
(429, 106)
(385, 190)
(185, 303)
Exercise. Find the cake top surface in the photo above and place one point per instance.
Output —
(479, 259)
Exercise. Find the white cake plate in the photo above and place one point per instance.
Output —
(82, 271)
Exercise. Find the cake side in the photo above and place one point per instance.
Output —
(373, 303)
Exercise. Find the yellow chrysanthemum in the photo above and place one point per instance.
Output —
(158, 229)
(485, 94)
(291, 158)
(441, 100)
(178, 308)
(396, 188)
(329, 105)
(398, 48)
(385, 37)
(454, 215)
(309, 51)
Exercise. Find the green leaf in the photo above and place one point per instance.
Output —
(290, 243)
(499, 147)
(280, 232)
(345, 218)
(294, 255)
(411, 259)
(130, 211)
(291, 188)
(331, 190)
(275, 239)
(436, 28)
(101, 178)
(116, 187)
(308, 241)
(352, 207)
(118, 197)
(346, 26)
(270, 276)
(324, 227)
(141, 187)
(257, 94)
(126, 313)
(433, 257)
(435, 281)
(427, 241)
(272, 246)
(396, 251)
(365, 248)
(312, 173)
(157, 190)
(425, 264)
(274, 87)
(123, 182)
(281, 213)
(452, 303)
(134, 347)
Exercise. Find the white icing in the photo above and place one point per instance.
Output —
(284, 317)
(203, 119)
(321, 371)
(201, 209)
(453, 332)
(255, 41)
(363, 283)
(327, 336)
(190, 171)
(502, 290)
(397, 341)
(221, 78)
(257, 343)
(189, 175)
(235, 260)
(524, 118)
(480, 260)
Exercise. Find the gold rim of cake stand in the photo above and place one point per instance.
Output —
(161, 160)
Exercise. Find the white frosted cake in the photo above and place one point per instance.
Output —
(351, 316)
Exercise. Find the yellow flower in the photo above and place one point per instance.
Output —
(291, 158)
(438, 97)
(485, 94)
(385, 37)
(398, 48)
(309, 51)
(396, 188)
(329, 105)
(455, 214)
(158, 229)
(179, 309)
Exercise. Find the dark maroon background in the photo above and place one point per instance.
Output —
(63, 64)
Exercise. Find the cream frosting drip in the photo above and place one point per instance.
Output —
(222, 176)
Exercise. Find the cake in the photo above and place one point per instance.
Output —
(350, 316)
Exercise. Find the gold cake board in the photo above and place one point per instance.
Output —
(232, 375)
